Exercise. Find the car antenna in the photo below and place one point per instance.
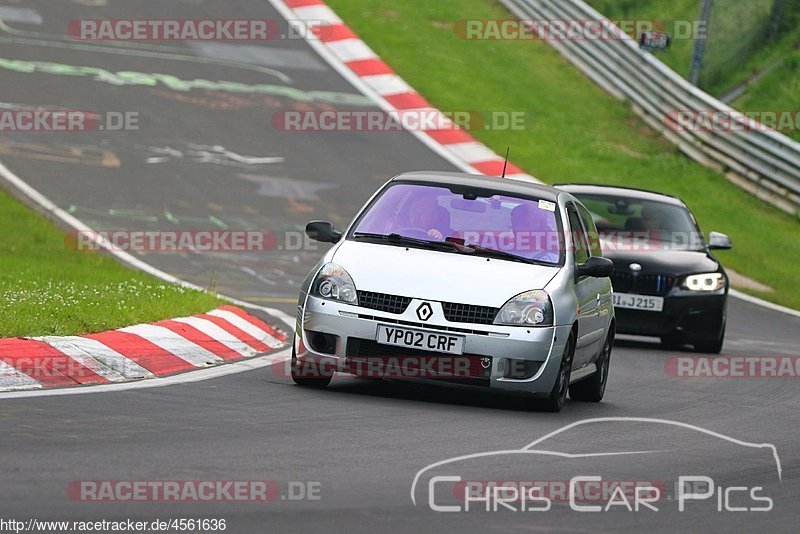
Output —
(505, 163)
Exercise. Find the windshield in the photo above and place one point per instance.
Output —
(527, 228)
(622, 220)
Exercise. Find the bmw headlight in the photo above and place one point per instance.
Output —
(334, 283)
(532, 308)
(704, 282)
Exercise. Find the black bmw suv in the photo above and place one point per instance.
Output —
(667, 283)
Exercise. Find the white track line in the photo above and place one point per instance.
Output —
(183, 378)
(763, 303)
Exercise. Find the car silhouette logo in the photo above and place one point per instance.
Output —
(635, 267)
(424, 311)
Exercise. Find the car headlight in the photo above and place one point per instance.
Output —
(333, 282)
(704, 282)
(532, 308)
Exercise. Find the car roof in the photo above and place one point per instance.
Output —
(629, 192)
(501, 185)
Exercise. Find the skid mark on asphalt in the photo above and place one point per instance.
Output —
(23, 15)
(280, 187)
(258, 55)
(61, 153)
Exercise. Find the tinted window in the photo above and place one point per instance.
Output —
(661, 224)
(525, 227)
(579, 242)
(591, 231)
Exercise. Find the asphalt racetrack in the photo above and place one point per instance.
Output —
(206, 159)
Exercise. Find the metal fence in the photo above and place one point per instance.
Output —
(759, 160)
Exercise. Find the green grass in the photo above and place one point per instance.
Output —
(738, 46)
(47, 288)
(679, 55)
(777, 91)
(576, 132)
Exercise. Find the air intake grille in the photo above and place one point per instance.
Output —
(383, 302)
(642, 284)
(469, 313)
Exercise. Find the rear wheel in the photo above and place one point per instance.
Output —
(593, 388)
(309, 374)
(558, 396)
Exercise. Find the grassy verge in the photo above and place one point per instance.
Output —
(679, 55)
(737, 45)
(575, 131)
(777, 91)
(48, 289)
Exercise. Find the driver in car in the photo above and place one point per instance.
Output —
(423, 215)
(655, 223)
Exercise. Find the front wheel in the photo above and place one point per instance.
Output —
(309, 374)
(593, 388)
(558, 396)
(711, 347)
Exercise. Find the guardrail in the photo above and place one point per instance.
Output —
(761, 161)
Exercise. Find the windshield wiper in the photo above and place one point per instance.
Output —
(403, 240)
(485, 251)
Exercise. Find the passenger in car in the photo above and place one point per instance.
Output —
(535, 232)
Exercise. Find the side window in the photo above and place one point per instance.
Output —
(591, 231)
(579, 242)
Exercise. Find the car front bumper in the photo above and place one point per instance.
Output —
(352, 332)
(696, 317)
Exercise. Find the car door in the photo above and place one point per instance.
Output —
(604, 297)
(588, 293)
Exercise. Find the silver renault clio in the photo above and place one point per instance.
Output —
(466, 279)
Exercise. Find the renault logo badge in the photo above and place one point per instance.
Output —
(424, 312)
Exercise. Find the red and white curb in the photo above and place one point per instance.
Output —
(358, 63)
(223, 335)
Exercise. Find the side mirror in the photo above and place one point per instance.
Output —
(719, 241)
(596, 267)
(322, 231)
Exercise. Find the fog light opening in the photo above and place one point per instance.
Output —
(323, 343)
(517, 369)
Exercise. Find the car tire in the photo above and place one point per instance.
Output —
(306, 375)
(673, 340)
(558, 395)
(593, 388)
(711, 347)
